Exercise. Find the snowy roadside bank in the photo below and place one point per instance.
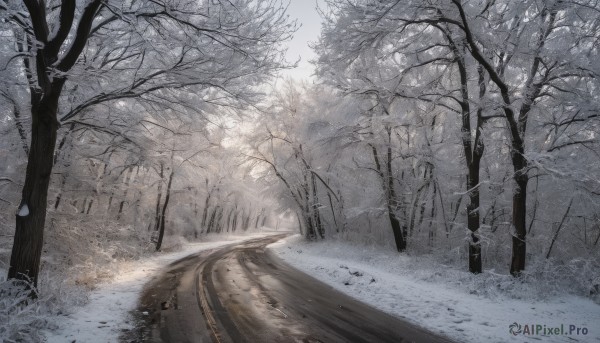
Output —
(383, 280)
(106, 315)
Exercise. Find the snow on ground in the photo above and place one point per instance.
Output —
(106, 314)
(386, 281)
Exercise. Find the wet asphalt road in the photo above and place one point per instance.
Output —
(243, 293)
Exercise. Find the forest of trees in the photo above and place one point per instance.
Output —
(113, 119)
(433, 127)
(444, 125)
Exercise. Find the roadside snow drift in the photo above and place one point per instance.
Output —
(393, 283)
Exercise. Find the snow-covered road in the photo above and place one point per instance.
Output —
(242, 293)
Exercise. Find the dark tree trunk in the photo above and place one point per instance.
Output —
(432, 215)
(89, 208)
(257, 219)
(399, 235)
(246, 222)
(519, 226)
(310, 229)
(205, 212)
(388, 187)
(300, 225)
(212, 219)
(316, 212)
(158, 198)
(235, 221)
(31, 216)
(560, 225)
(535, 206)
(218, 221)
(337, 228)
(161, 232)
(127, 179)
(85, 200)
(228, 223)
(473, 217)
(399, 238)
(473, 149)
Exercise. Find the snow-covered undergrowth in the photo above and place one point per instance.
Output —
(77, 256)
(89, 252)
(98, 264)
(21, 319)
(446, 299)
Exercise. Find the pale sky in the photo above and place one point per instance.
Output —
(306, 13)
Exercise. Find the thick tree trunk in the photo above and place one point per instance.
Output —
(211, 222)
(228, 223)
(473, 216)
(310, 229)
(473, 148)
(127, 180)
(387, 182)
(432, 215)
(302, 231)
(205, 212)
(158, 198)
(519, 226)
(399, 238)
(246, 222)
(218, 221)
(161, 231)
(31, 216)
(235, 221)
(337, 228)
(316, 212)
(256, 223)
(397, 229)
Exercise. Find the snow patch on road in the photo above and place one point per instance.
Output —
(398, 285)
(106, 315)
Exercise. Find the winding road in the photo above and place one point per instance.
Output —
(243, 293)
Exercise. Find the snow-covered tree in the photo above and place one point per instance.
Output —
(72, 56)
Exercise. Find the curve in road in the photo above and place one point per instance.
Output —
(243, 293)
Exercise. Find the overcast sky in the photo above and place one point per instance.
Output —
(306, 13)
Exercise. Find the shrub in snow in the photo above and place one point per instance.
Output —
(173, 243)
(542, 279)
(595, 289)
(88, 252)
(20, 319)
(23, 319)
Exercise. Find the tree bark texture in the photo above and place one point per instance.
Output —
(29, 232)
